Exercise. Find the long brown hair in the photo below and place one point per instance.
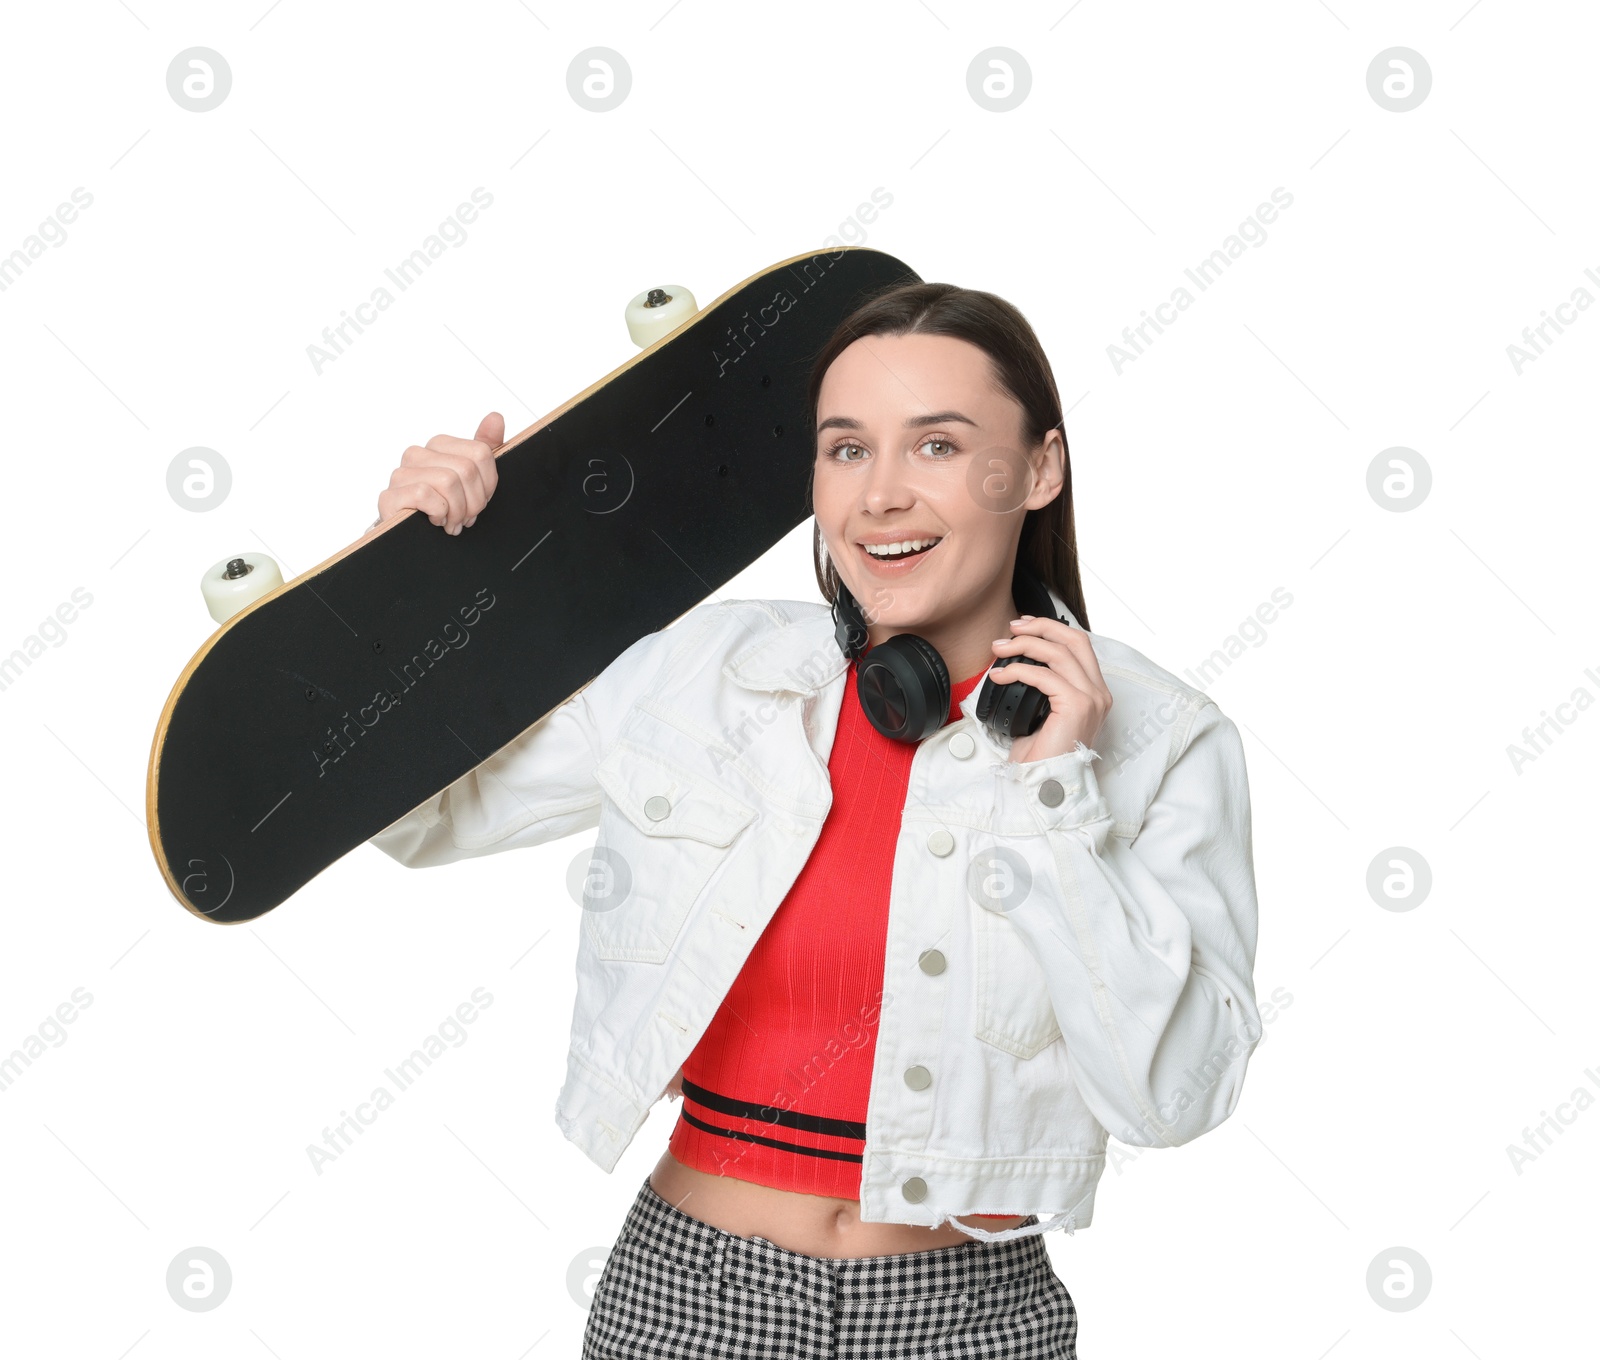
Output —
(1048, 544)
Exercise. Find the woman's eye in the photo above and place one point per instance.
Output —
(945, 449)
(840, 449)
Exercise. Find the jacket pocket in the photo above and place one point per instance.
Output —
(663, 831)
(1012, 1009)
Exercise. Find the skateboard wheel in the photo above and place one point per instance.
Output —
(652, 314)
(236, 581)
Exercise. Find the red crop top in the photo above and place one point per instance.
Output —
(775, 1091)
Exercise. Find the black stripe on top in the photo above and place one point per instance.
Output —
(778, 1143)
(774, 1114)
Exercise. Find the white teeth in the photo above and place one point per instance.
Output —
(899, 549)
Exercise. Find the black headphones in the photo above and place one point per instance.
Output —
(904, 685)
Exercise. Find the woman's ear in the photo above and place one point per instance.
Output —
(1048, 461)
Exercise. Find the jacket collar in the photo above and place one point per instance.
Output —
(800, 656)
(803, 657)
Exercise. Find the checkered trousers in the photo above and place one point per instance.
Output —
(676, 1287)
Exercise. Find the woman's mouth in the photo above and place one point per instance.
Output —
(896, 559)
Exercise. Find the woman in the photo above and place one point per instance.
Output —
(1107, 985)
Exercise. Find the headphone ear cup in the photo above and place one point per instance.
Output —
(904, 687)
(1015, 709)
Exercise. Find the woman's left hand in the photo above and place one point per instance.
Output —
(1070, 677)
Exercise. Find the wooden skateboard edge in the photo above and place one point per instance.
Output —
(152, 820)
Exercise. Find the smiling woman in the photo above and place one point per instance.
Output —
(906, 958)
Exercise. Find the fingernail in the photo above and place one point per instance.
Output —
(1001, 642)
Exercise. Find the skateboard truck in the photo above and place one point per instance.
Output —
(234, 582)
(654, 313)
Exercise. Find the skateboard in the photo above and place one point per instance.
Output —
(332, 704)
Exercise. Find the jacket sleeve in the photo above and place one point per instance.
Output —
(541, 785)
(1149, 948)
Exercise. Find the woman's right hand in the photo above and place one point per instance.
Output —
(448, 479)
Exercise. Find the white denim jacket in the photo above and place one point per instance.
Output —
(1069, 949)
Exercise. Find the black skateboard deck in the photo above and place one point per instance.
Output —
(326, 710)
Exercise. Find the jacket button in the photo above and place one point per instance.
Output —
(931, 961)
(962, 745)
(915, 1189)
(919, 1078)
(941, 842)
(656, 808)
(1051, 794)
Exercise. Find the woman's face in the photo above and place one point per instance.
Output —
(916, 444)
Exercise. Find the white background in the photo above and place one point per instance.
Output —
(1229, 459)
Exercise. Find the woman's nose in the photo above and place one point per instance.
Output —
(887, 485)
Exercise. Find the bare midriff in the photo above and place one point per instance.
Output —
(815, 1225)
